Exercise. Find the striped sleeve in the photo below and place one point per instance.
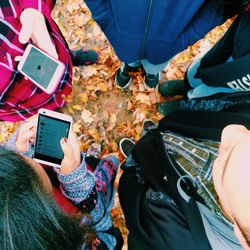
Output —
(77, 185)
(40, 5)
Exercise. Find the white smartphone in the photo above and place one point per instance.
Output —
(41, 68)
(51, 128)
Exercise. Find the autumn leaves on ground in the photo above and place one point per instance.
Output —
(102, 113)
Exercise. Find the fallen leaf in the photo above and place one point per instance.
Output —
(84, 97)
(94, 133)
(143, 98)
(87, 116)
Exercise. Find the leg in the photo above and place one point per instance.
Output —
(152, 72)
(123, 77)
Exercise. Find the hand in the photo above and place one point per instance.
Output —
(71, 150)
(34, 28)
(26, 134)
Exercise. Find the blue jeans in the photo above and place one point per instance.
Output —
(200, 89)
(149, 67)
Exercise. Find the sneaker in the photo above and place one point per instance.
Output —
(151, 80)
(172, 88)
(122, 77)
(126, 145)
(147, 124)
(166, 108)
(83, 57)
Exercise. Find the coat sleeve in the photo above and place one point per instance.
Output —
(93, 192)
(208, 17)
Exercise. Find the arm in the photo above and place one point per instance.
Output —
(234, 74)
(215, 71)
(93, 192)
(34, 25)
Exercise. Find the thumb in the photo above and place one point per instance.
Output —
(68, 163)
(26, 32)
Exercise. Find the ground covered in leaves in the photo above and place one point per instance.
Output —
(102, 113)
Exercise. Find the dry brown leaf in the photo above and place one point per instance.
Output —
(84, 97)
(87, 116)
(94, 133)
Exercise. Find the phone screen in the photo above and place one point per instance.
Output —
(39, 67)
(50, 131)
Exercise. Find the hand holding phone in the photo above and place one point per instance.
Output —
(26, 134)
(71, 150)
(52, 127)
(42, 69)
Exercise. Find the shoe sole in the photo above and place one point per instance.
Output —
(155, 124)
(120, 145)
(119, 87)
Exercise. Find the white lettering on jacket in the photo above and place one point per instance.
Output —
(242, 84)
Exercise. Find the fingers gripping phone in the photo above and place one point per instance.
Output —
(51, 128)
(40, 68)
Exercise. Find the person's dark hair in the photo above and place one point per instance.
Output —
(229, 7)
(30, 219)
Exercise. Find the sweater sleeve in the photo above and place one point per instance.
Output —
(11, 145)
(235, 74)
(93, 192)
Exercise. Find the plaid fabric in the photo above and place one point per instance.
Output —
(196, 158)
(20, 98)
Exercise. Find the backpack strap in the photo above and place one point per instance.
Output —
(161, 171)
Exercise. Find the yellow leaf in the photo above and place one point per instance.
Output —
(77, 107)
(102, 86)
(94, 133)
(76, 127)
(84, 97)
(113, 145)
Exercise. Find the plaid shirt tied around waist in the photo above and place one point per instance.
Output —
(196, 158)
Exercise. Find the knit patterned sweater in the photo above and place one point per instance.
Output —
(92, 191)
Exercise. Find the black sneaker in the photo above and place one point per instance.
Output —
(172, 88)
(83, 57)
(151, 80)
(166, 108)
(122, 77)
(126, 145)
(147, 124)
